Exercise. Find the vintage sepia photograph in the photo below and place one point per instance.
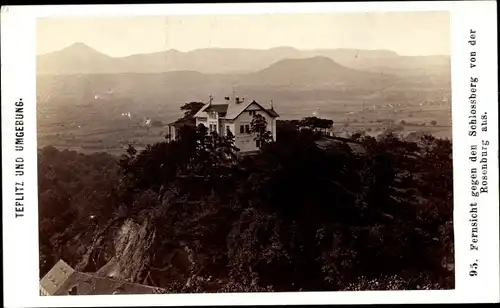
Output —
(244, 153)
(250, 154)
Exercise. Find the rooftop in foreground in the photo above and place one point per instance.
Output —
(62, 279)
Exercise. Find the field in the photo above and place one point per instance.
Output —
(102, 127)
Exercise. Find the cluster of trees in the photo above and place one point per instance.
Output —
(291, 217)
(311, 123)
(76, 194)
(190, 109)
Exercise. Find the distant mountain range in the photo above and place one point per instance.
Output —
(80, 82)
(82, 59)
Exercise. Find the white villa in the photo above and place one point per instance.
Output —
(235, 115)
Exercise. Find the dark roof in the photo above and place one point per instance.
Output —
(272, 113)
(232, 111)
(183, 121)
(219, 108)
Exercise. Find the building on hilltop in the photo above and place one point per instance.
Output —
(235, 116)
(62, 279)
(173, 128)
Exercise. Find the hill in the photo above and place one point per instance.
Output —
(79, 58)
(93, 104)
(312, 79)
(315, 72)
(188, 219)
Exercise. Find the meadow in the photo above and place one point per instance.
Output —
(100, 127)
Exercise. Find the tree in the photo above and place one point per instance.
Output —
(258, 126)
(131, 151)
(227, 145)
(292, 217)
(126, 160)
(316, 124)
(190, 109)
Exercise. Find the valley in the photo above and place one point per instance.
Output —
(84, 111)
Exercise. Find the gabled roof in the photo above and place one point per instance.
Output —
(56, 277)
(219, 108)
(62, 278)
(232, 110)
(235, 110)
(183, 121)
(200, 112)
(272, 113)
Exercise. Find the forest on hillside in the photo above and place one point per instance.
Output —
(293, 217)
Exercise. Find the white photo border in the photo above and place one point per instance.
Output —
(20, 235)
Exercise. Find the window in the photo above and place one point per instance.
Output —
(242, 129)
(252, 113)
(247, 129)
(257, 143)
(227, 130)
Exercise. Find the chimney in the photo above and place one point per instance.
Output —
(227, 98)
(238, 100)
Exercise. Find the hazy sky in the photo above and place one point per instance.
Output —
(407, 33)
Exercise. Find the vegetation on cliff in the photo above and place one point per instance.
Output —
(192, 216)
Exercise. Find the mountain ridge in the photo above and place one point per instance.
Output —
(316, 78)
(81, 58)
(82, 45)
